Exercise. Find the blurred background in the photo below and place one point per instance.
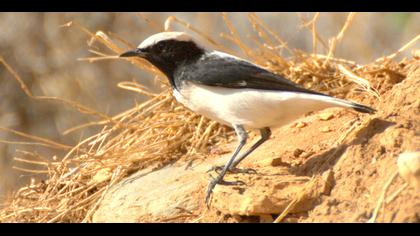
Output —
(46, 56)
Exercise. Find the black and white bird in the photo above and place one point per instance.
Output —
(231, 90)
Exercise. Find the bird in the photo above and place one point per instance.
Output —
(232, 91)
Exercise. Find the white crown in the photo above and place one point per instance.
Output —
(180, 36)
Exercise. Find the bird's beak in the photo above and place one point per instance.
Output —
(133, 53)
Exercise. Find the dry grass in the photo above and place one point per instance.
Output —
(160, 130)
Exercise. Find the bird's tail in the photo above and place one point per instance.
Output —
(362, 108)
(353, 105)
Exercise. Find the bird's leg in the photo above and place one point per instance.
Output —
(241, 133)
(265, 135)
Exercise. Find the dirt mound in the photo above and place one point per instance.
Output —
(330, 166)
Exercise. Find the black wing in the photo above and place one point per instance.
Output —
(232, 73)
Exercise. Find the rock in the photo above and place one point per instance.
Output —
(301, 124)
(326, 116)
(325, 129)
(272, 196)
(409, 168)
(301, 153)
(328, 178)
(305, 155)
(277, 162)
(156, 196)
(297, 152)
(272, 162)
(268, 197)
(146, 196)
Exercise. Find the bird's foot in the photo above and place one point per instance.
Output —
(233, 170)
(216, 181)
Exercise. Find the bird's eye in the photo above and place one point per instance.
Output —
(160, 46)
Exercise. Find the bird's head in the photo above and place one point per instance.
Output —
(168, 50)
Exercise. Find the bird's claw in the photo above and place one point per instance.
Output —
(212, 184)
(233, 170)
(243, 171)
(220, 181)
(215, 168)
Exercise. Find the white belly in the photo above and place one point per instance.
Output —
(250, 107)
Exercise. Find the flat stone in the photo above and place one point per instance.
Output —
(151, 196)
(156, 196)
